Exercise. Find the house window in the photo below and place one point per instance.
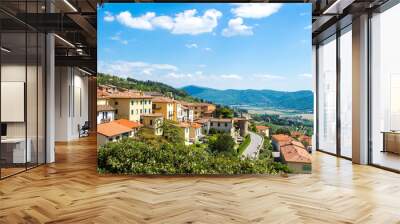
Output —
(131, 111)
(116, 103)
(141, 111)
(145, 111)
(212, 124)
(132, 102)
(226, 124)
(219, 124)
(151, 122)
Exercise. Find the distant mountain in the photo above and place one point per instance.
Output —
(299, 100)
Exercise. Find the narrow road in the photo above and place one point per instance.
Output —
(252, 149)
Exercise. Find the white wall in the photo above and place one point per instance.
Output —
(71, 103)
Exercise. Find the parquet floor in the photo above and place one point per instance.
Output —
(70, 191)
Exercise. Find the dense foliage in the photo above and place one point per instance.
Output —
(284, 125)
(151, 86)
(299, 100)
(130, 156)
(223, 112)
(222, 143)
(244, 144)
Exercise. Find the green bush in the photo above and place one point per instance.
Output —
(222, 143)
(244, 145)
(130, 156)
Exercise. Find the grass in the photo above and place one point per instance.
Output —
(244, 145)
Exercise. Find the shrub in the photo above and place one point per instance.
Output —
(222, 143)
(244, 145)
(130, 156)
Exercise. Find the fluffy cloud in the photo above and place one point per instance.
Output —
(191, 45)
(255, 10)
(141, 22)
(207, 49)
(236, 27)
(186, 22)
(108, 16)
(308, 27)
(130, 68)
(231, 76)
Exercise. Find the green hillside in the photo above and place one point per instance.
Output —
(299, 100)
(151, 86)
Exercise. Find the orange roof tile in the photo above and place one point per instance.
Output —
(262, 127)
(221, 119)
(294, 153)
(282, 139)
(112, 129)
(195, 125)
(128, 123)
(128, 95)
(162, 100)
(183, 125)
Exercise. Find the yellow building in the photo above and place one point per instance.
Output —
(178, 111)
(131, 105)
(153, 121)
(164, 106)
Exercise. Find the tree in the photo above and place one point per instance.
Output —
(223, 111)
(223, 143)
(283, 130)
(173, 134)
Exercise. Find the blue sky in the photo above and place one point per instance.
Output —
(223, 46)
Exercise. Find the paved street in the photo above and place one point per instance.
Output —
(253, 147)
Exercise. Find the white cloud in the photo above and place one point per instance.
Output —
(186, 22)
(308, 27)
(108, 16)
(255, 10)
(133, 68)
(164, 22)
(207, 49)
(236, 27)
(231, 76)
(191, 45)
(305, 75)
(267, 76)
(141, 22)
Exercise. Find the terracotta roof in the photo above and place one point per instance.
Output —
(101, 94)
(105, 108)
(262, 127)
(152, 115)
(296, 134)
(128, 95)
(128, 123)
(282, 139)
(221, 119)
(183, 125)
(202, 120)
(295, 153)
(162, 100)
(112, 129)
(195, 125)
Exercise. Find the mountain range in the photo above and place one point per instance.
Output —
(271, 99)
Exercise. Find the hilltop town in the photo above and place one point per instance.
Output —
(124, 113)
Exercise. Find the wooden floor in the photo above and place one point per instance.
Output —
(70, 191)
